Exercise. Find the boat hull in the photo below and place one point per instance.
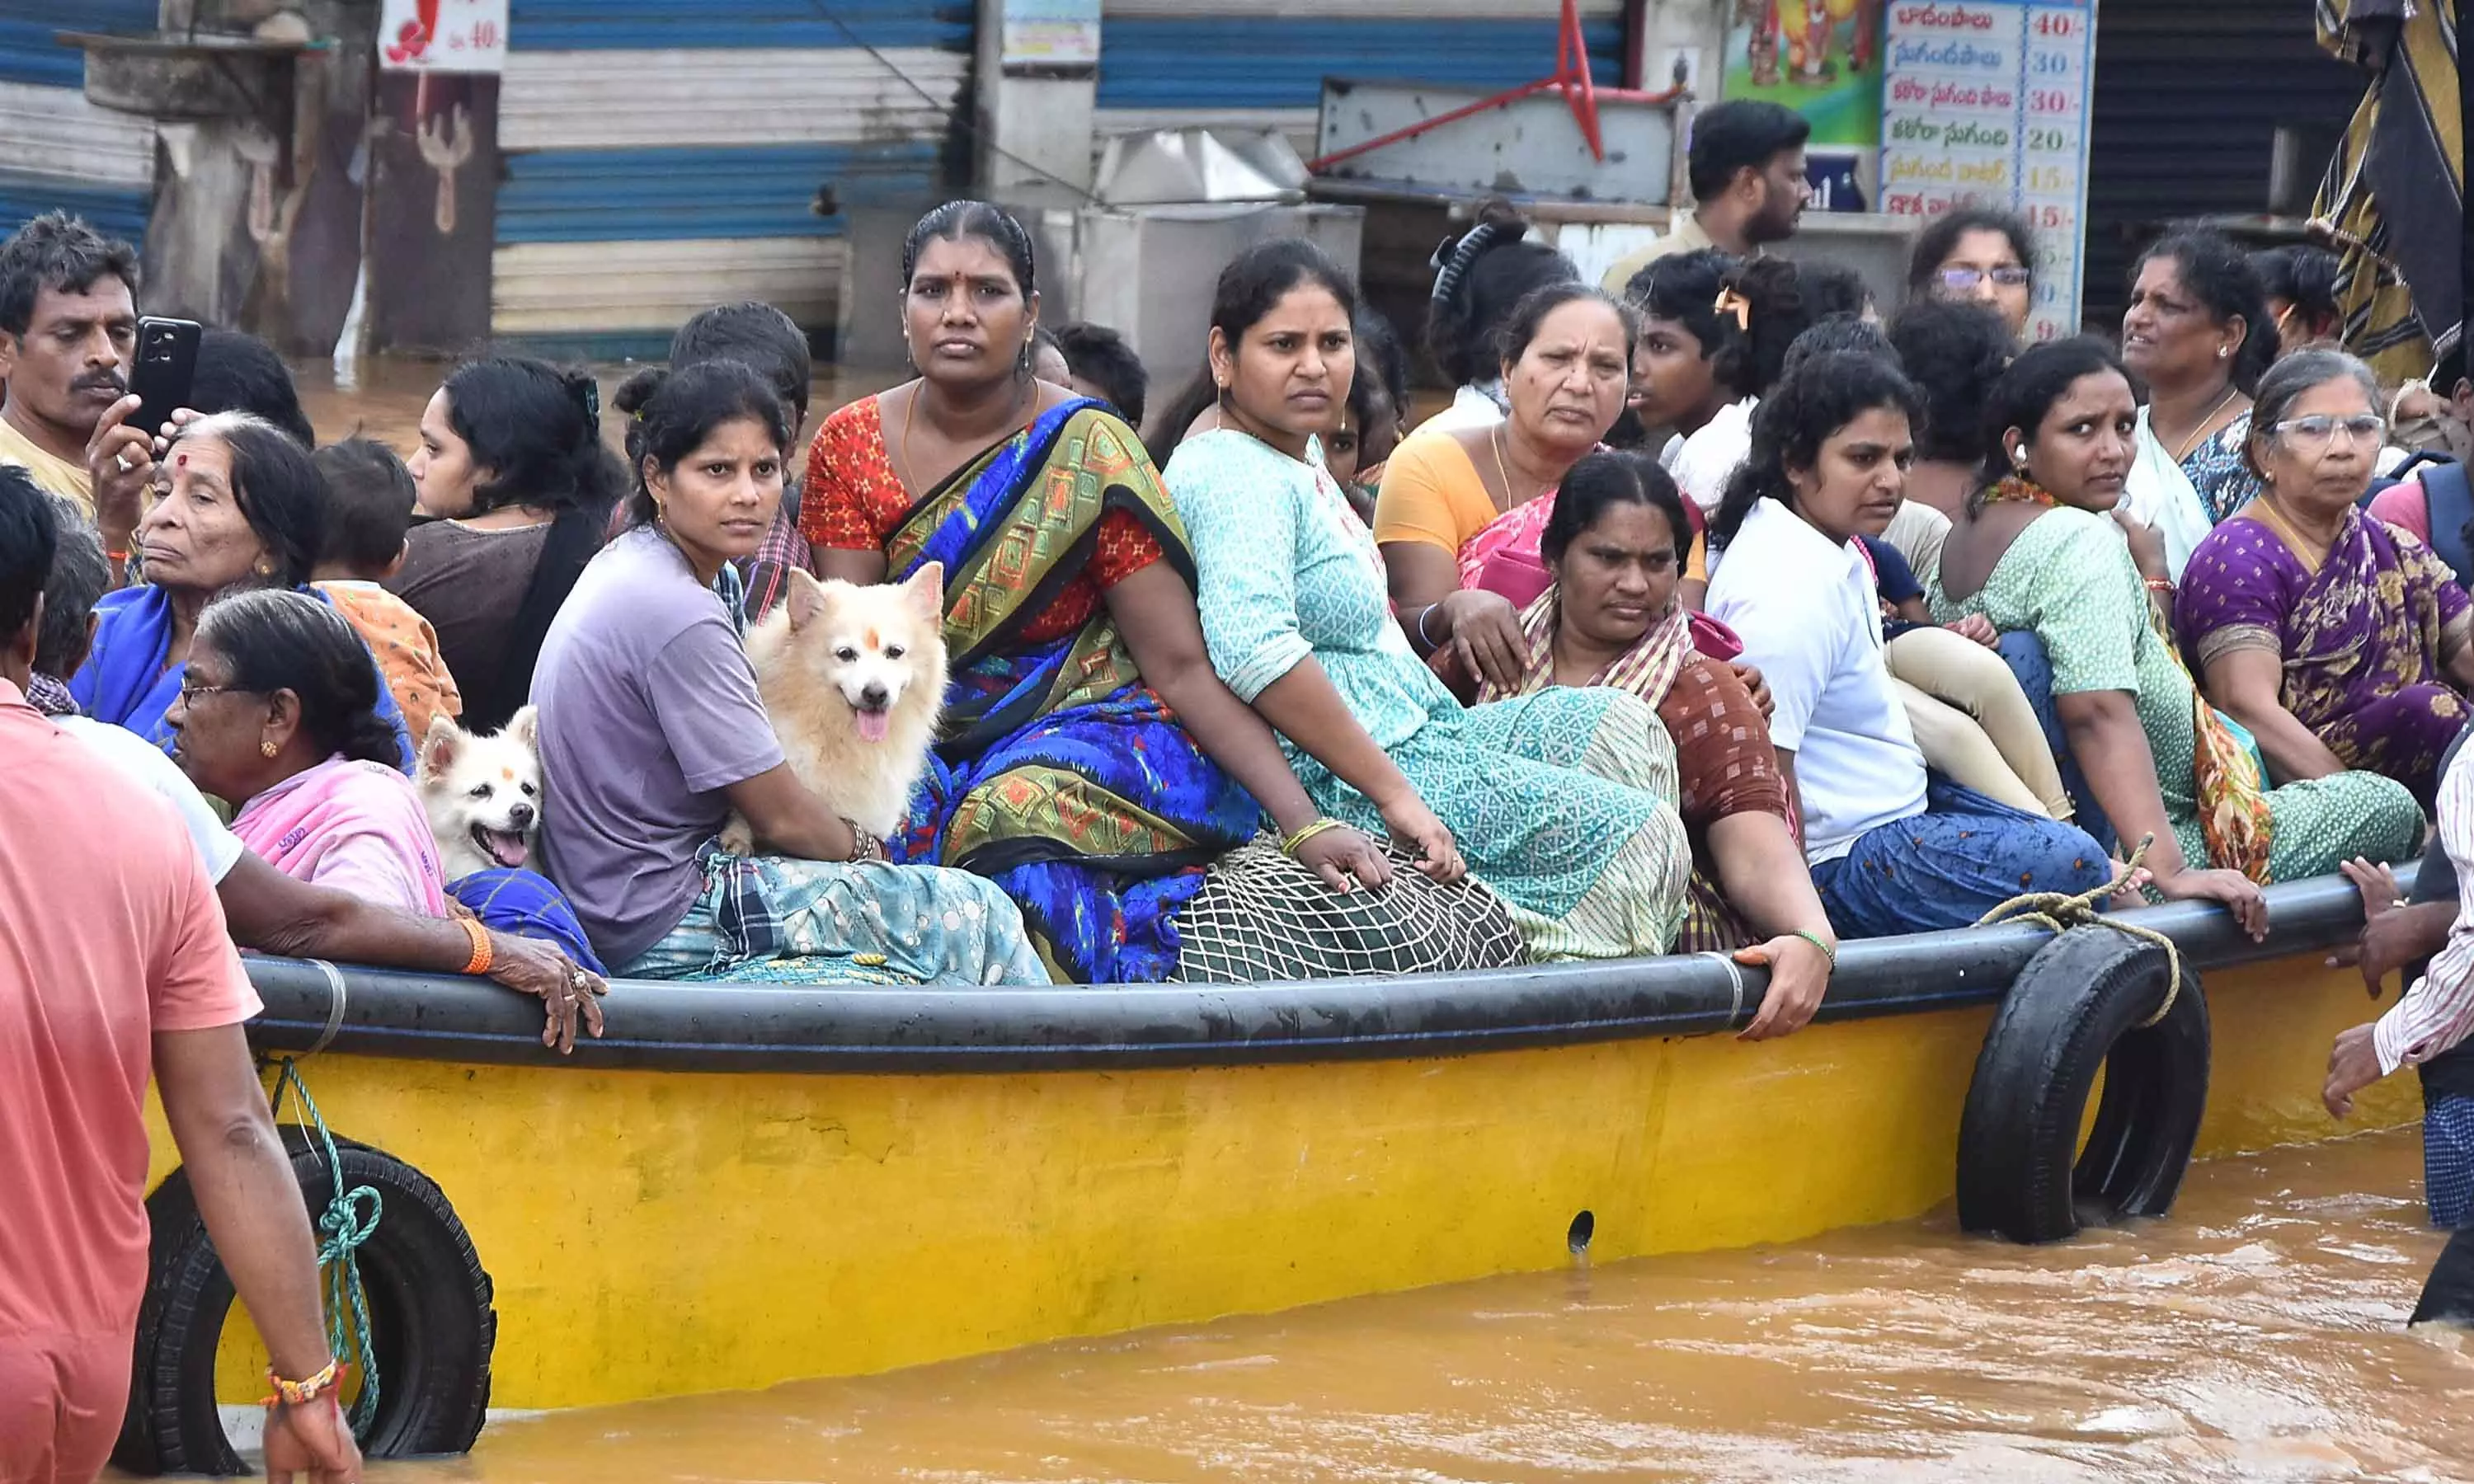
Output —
(654, 1229)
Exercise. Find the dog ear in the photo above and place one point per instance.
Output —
(806, 599)
(438, 748)
(525, 726)
(926, 590)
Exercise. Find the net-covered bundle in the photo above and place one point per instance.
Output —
(1262, 916)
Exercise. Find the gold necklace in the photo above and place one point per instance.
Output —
(2285, 526)
(1494, 441)
(2193, 441)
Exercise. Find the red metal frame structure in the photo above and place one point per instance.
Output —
(1572, 78)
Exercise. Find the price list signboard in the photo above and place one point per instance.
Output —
(1985, 101)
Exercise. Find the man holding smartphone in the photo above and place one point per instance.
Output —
(68, 322)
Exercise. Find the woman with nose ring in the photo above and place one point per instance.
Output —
(2339, 641)
(1090, 761)
(1893, 848)
(2198, 336)
(2039, 550)
(1613, 617)
(1459, 514)
(1560, 802)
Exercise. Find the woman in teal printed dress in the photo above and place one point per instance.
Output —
(1563, 801)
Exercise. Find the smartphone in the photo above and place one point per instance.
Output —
(166, 364)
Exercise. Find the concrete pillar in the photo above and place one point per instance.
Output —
(1035, 128)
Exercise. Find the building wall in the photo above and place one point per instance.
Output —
(56, 150)
(662, 156)
(1170, 63)
(2188, 95)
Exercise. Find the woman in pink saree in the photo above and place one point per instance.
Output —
(277, 714)
(1460, 510)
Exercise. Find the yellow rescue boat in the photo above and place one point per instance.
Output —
(744, 1185)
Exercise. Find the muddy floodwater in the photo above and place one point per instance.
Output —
(2256, 1334)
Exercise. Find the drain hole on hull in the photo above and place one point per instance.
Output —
(1583, 1227)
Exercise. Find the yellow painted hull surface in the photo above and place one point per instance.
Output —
(661, 1232)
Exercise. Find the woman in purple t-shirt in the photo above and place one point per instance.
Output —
(652, 733)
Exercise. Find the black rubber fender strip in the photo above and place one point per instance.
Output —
(725, 1027)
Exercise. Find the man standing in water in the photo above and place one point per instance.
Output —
(2427, 1027)
(1748, 181)
(114, 964)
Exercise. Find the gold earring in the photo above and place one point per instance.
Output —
(266, 749)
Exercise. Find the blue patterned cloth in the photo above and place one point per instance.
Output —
(524, 903)
(2221, 473)
(1059, 773)
(776, 919)
(2448, 1159)
(1949, 866)
(126, 683)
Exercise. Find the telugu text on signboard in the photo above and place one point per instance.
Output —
(1986, 101)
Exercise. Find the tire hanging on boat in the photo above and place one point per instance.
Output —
(431, 1322)
(2077, 1006)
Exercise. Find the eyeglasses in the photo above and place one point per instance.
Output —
(2320, 430)
(190, 693)
(1964, 280)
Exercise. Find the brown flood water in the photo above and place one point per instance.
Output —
(2256, 1334)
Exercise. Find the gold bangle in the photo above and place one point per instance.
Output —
(1291, 846)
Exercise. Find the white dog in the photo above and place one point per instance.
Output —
(854, 680)
(483, 795)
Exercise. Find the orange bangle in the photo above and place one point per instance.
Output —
(480, 936)
(303, 1393)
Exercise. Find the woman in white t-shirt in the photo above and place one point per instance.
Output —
(1893, 849)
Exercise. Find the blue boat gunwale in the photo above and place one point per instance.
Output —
(859, 1029)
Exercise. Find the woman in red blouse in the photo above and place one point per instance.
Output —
(1091, 761)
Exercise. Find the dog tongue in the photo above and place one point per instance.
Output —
(508, 851)
(873, 725)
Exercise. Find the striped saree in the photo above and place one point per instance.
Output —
(1059, 773)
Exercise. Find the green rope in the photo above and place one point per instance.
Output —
(2058, 912)
(349, 1219)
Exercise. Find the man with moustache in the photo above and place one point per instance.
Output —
(68, 327)
(1747, 170)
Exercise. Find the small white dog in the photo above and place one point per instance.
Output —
(482, 793)
(854, 680)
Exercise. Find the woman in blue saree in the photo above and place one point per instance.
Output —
(1090, 760)
(243, 508)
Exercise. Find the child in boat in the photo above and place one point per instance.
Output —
(370, 497)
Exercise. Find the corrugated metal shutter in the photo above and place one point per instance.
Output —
(59, 152)
(1168, 64)
(2188, 96)
(661, 157)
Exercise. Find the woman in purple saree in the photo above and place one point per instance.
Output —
(2337, 641)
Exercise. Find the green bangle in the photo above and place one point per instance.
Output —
(1818, 942)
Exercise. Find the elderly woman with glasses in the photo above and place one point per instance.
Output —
(2339, 641)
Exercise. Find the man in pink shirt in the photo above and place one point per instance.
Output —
(114, 964)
